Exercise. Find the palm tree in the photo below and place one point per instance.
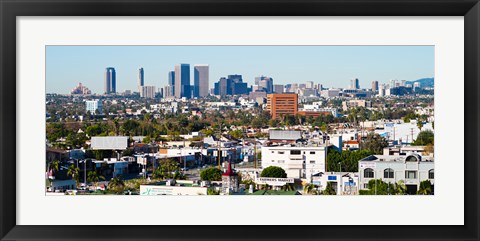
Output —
(73, 172)
(288, 187)
(93, 177)
(54, 165)
(425, 188)
(400, 187)
(117, 184)
(309, 188)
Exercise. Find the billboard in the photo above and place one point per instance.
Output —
(109, 142)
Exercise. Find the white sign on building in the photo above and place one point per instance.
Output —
(272, 181)
(367, 165)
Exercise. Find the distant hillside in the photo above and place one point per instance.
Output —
(425, 82)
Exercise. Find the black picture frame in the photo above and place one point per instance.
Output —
(10, 9)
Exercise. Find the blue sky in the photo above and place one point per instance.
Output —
(332, 66)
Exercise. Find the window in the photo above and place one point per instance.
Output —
(430, 174)
(295, 152)
(410, 174)
(273, 151)
(312, 162)
(281, 161)
(281, 152)
(368, 173)
(365, 185)
(312, 152)
(411, 159)
(388, 173)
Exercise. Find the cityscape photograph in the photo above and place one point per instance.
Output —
(239, 120)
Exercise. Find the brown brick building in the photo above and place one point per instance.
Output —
(282, 104)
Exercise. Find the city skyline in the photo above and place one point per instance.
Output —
(331, 66)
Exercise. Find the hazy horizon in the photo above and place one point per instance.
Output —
(331, 66)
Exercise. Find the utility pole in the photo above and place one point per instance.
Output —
(394, 132)
(412, 133)
(218, 146)
(255, 152)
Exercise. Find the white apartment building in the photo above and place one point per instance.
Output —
(93, 106)
(298, 162)
(411, 168)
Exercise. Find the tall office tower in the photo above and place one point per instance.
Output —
(403, 83)
(148, 92)
(200, 80)
(278, 89)
(265, 82)
(167, 90)
(309, 85)
(171, 83)
(110, 80)
(282, 104)
(140, 79)
(354, 84)
(182, 81)
(319, 87)
(393, 83)
(382, 90)
(374, 86)
(223, 87)
(237, 85)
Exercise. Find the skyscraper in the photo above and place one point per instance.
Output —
(110, 80)
(265, 82)
(147, 92)
(200, 80)
(182, 81)
(354, 84)
(140, 79)
(171, 80)
(374, 86)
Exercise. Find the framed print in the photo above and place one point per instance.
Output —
(239, 120)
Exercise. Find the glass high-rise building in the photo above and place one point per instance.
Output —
(110, 80)
(200, 80)
(182, 81)
(140, 79)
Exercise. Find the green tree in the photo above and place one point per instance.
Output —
(374, 143)
(211, 174)
(147, 140)
(347, 160)
(212, 191)
(419, 124)
(116, 185)
(424, 138)
(73, 172)
(236, 134)
(168, 168)
(425, 188)
(329, 190)
(310, 189)
(54, 166)
(379, 187)
(93, 177)
(274, 171)
(400, 188)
